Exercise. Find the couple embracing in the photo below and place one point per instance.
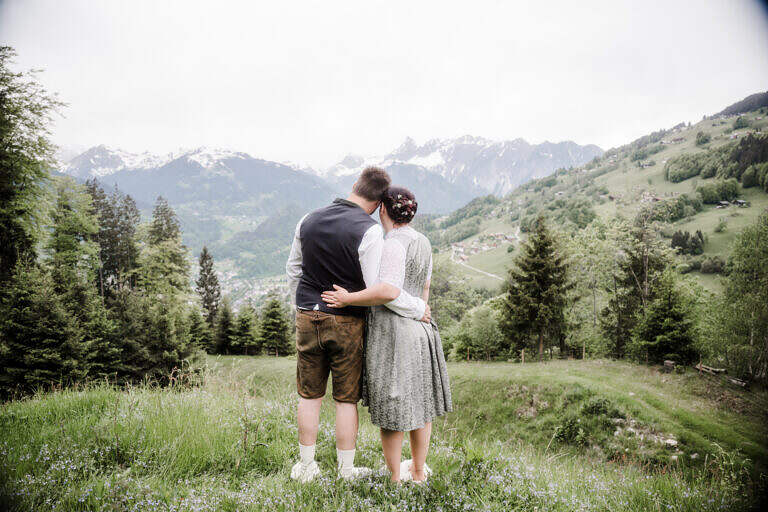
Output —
(361, 291)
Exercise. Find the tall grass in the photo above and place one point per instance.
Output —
(228, 444)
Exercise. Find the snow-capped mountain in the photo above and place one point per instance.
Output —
(212, 174)
(100, 161)
(214, 179)
(476, 163)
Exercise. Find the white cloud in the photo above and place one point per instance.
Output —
(311, 81)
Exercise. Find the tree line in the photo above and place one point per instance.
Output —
(612, 289)
(88, 290)
(222, 331)
(745, 161)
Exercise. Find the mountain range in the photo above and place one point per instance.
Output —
(450, 172)
(244, 208)
(476, 164)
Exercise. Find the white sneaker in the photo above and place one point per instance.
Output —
(407, 476)
(305, 472)
(354, 473)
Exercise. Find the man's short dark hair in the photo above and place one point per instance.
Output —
(372, 184)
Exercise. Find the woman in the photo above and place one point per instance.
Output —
(406, 383)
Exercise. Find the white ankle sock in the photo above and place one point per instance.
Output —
(345, 458)
(306, 453)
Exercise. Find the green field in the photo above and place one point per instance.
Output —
(533, 437)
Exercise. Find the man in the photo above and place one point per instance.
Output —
(339, 244)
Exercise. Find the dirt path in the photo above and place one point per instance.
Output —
(477, 269)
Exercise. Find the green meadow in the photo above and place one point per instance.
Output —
(561, 435)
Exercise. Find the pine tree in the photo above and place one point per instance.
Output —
(155, 335)
(274, 334)
(73, 261)
(200, 334)
(103, 211)
(208, 286)
(166, 336)
(225, 328)
(162, 288)
(25, 155)
(165, 224)
(163, 267)
(536, 297)
(127, 252)
(666, 331)
(246, 332)
(72, 252)
(118, 219)
(129, 311)
(43, 345)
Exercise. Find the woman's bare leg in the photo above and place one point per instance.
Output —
(392, 446)
(419, 447)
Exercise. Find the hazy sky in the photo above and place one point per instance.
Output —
(312, 81)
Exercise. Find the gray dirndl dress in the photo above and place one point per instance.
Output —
(406, 379)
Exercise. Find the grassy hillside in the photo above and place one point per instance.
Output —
(622, 182)
(564, 435)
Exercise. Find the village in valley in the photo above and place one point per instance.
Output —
(461, 251)
(254, 290)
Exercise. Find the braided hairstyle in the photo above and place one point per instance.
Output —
(400, 203)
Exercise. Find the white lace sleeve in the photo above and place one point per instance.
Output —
(392, 269)
(429, 269)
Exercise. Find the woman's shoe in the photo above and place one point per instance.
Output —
(405, 471)
(407, 476)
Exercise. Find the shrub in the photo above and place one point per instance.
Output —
(695, 264)
(754, 175)
(740, 122)
(670, 210)
(749, 178)
(702, 138)
(642, 154)
(687, 243)
(713, 265)
(570, 432)
(683, 167)
(577, 394)
(722, 224)
(712, 193)
(709, 170)
(600, 405)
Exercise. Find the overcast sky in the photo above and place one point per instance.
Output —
(312, 81)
